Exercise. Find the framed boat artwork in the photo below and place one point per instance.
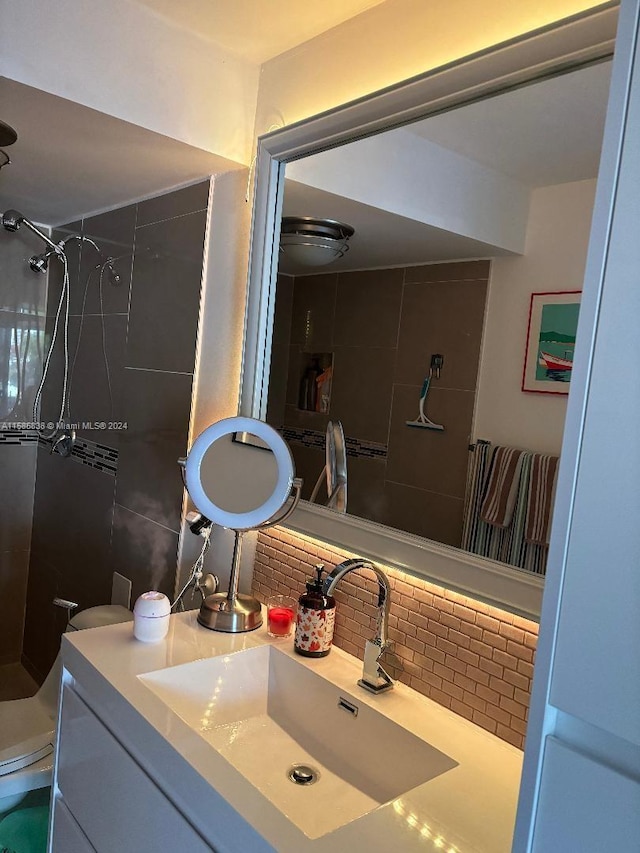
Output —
(551, 340)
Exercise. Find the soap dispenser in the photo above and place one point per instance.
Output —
(316, 619)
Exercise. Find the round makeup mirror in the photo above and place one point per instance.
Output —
(239, 473)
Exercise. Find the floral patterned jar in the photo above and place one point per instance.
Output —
(316, 619)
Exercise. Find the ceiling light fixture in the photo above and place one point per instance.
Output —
(314, 242)
(7, 135)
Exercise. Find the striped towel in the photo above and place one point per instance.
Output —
(502, 486)
(542, 486)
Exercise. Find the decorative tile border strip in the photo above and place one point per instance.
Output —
(17, 436)
(354, 446)
(305, 437)
(99, 456)
(367, 449)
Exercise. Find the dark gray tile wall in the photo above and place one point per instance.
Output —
(44, 624)
(93, 518)
(18, 466)
(166, 285)
(73, 514)
(56, 269)
(14, 567)
(114, 232)
(22, 319)
(382, 326)
(143, 551)
(173, 204)
(149, 481)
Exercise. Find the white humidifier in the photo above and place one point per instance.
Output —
(151, 617)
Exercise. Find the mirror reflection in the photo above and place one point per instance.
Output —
(334, 476)
(424, 313)
(238, 476)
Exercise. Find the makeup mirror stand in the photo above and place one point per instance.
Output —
(233, 612)
(235, 484)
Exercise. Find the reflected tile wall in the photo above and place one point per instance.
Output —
(280, 350)
(382, 326)
(115, 504)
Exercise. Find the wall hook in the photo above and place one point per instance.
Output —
(437, 361)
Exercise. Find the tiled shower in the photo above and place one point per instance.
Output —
(115, 503)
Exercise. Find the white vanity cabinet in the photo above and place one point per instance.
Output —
(143, 759)
(103, 799)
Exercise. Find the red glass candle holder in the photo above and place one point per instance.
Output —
(281, 615)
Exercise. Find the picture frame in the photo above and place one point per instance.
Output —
(551, 338)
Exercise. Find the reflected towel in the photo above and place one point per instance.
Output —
(542, 487)
(502, 486)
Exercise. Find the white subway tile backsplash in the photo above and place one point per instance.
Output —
(468, 656)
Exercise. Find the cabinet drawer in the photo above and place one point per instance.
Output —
(113, 800)
(584, 806)
(67, 836)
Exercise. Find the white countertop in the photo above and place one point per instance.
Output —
(469, 808)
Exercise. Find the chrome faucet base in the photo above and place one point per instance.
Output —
(381, 688)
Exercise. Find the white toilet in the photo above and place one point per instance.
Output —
(27, 726)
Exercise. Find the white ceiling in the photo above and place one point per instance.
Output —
(257, 30)
(543, 134)
(70, 161)
(381, 239)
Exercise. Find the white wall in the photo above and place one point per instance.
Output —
(122, 59)
(390, 43)
(554, 259)
(219, 353)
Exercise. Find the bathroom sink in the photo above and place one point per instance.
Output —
(319, 754)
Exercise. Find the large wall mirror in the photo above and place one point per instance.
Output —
(467, 192)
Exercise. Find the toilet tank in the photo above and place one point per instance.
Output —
(98, 617)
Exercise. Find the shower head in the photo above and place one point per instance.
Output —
(13, 219)
(39, 263)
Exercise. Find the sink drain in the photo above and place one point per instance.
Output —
(302, 774)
